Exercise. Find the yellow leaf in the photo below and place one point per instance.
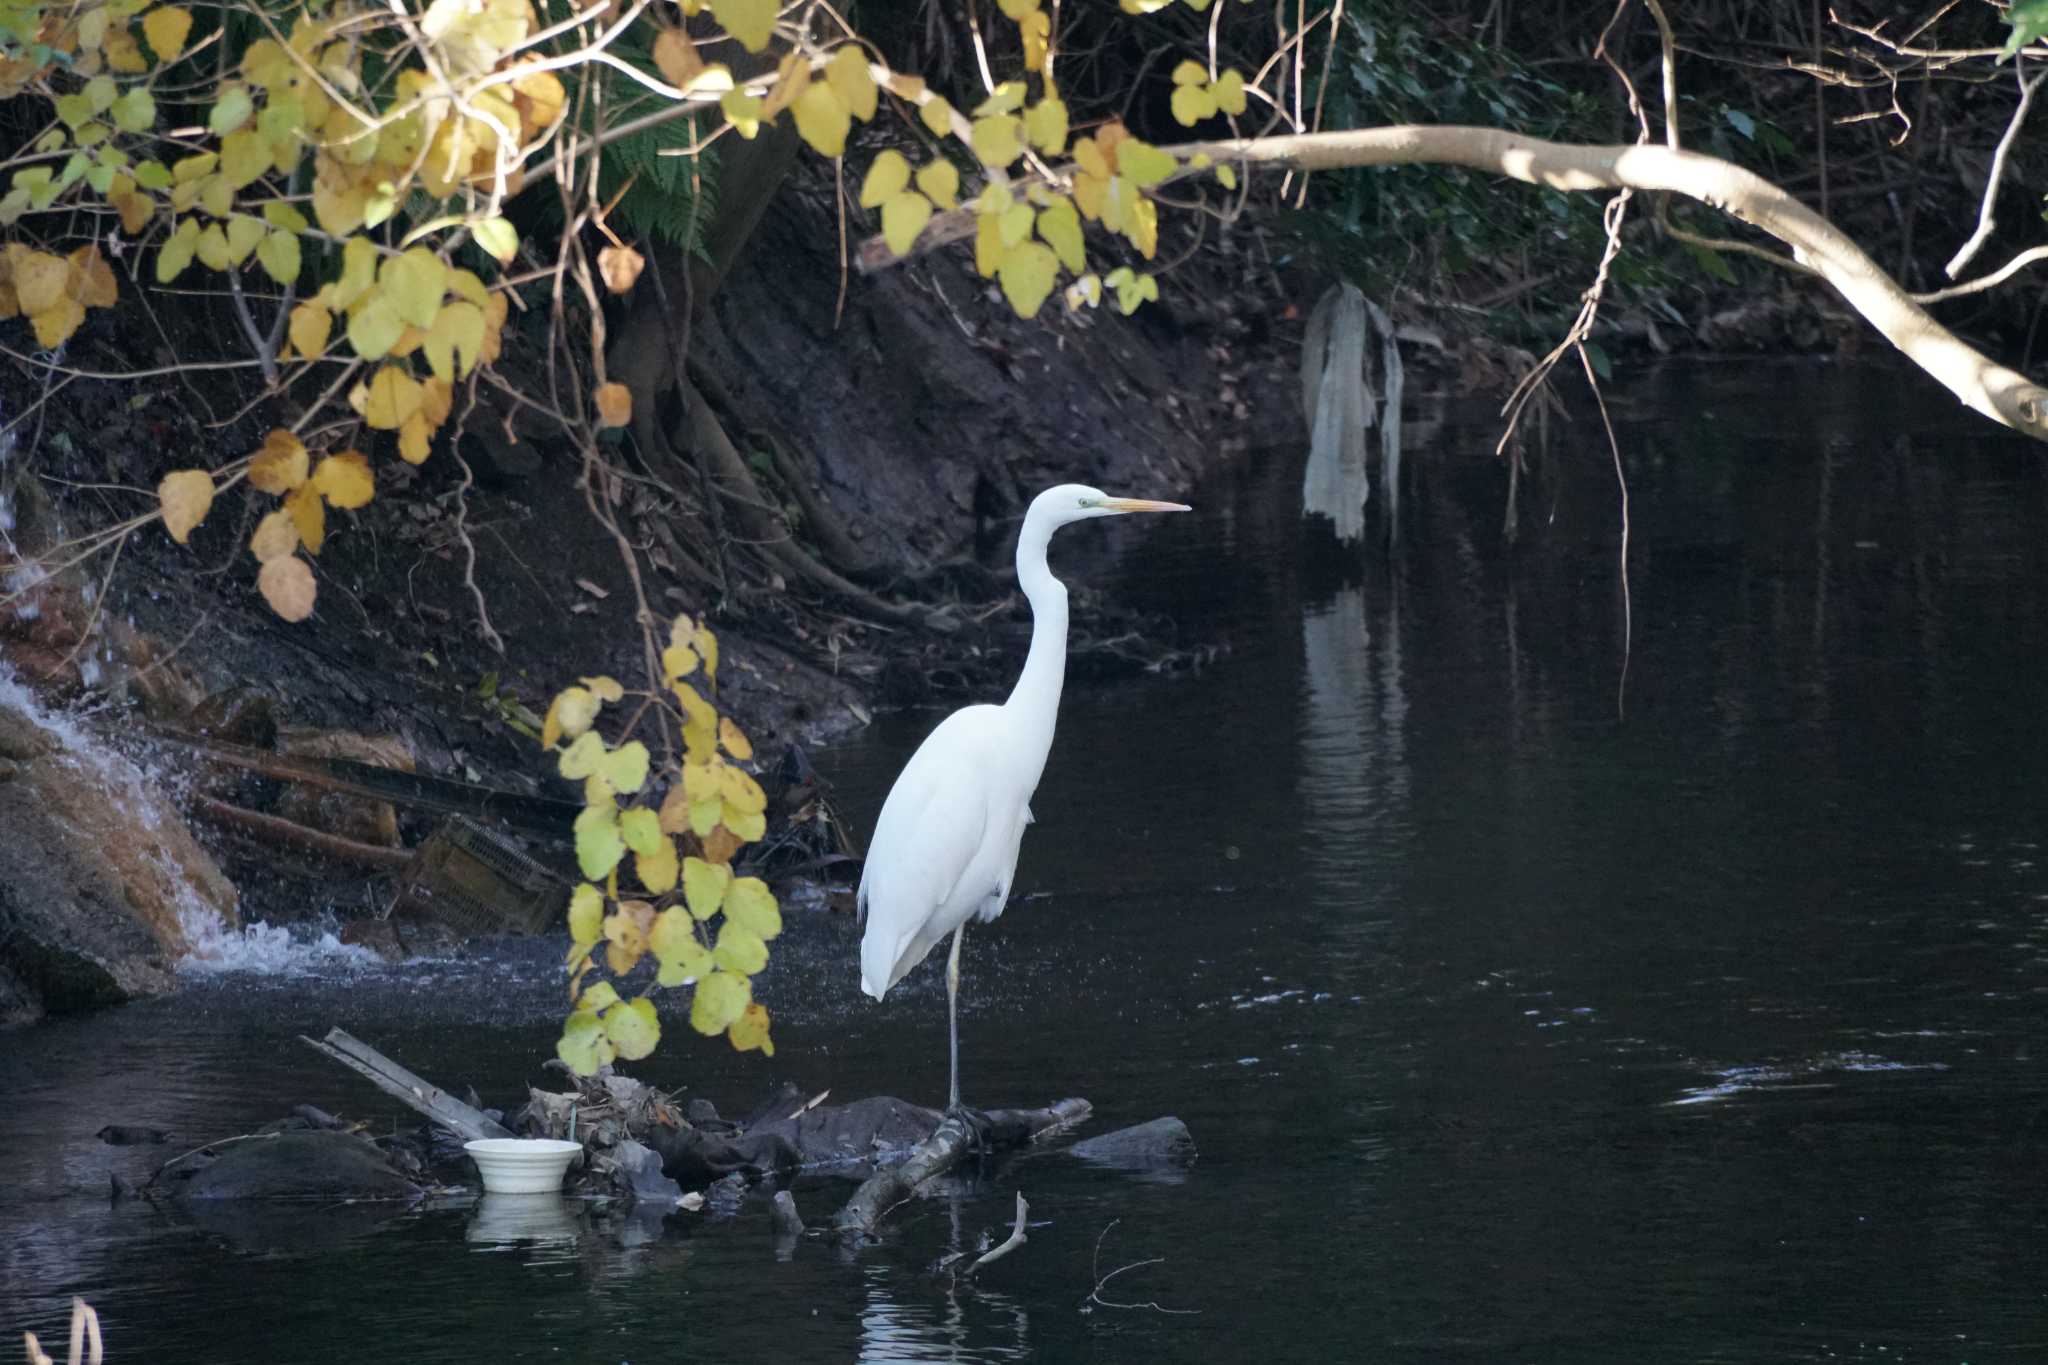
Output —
(734, 739)
(176, 252)
(1192, 104)
(415, 439)
(604, 687)
(657, 869)
(310, 327)
(750, 1030)
(92, 279)
(498, 237)
(374, 328)
(847, 73)
(276, 536)
(413, 282)
(1085, 292)
(1017, 10)
(1007, 98)
(903, 218)
(988, 243)
(1035, 30)
(1226, 177)
(40, 280)
(750, 21)
(739, 791)
(1142, 227)
(1027, 274)
(166, 28)
(721, 997)
(937, 116)
(1190, 72)
(822, 119)
(1145, 164)
(739, 949)
(309, 514)
(885, 179)
(185, 495)
(570, 715)
(358, 272)
(742, 110)
(394, 397)
(55, 324)
(455, 342)
(940, 181)
(998, 139)
(345, 480)
(1060, 226)
(614, 405)
(1229, 92)
(279, 254)
(744, 825)
(1016, 224)
(437, 400)
(586, 914)
(281, 465)
(1046, 125)
(244, 155)
(213, 247)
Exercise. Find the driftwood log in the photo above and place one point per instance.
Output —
(402, 1085)
(950, 1144)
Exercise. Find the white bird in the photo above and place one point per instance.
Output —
(945, 847)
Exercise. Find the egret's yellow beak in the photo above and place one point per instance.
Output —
(1142, 505)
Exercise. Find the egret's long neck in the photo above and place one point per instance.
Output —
(1036, 697)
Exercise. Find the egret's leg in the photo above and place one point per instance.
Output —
(953, 1017)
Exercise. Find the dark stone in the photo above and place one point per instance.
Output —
(291, 1165)
(1162, 1142)
(641, 1167)
(131, 1134)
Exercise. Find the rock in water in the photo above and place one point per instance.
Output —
(101, 884)
(1162, 1142)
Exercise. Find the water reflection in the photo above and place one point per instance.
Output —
(1353, 779)
(504, 1220)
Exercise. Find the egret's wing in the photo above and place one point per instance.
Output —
(932, 826)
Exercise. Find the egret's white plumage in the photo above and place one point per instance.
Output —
(945, 847)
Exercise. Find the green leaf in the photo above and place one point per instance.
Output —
(1145, 164)
(739, 949)
(583, 1045)
(414, 281)
(999, 139)
(633, 1028)
(279, 253)
(641, 829)
(586, 914)
(581, 758)
(374, 329)
(1741, 123)
(626, 767)
(1026, 275)
(675, 945)
(705, 886)
(753, 23)
(231, 110)
(100, 91)
(1060, 226)
(2029, 20)
(751, 904)
(1597, 358)
(599, 845)
(152, 175)
(136, 113)
(721, 998)
(498, 237)
(284, 217)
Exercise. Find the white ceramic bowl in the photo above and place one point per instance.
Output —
(522, 1165)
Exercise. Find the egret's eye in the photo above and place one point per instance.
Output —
(1088, 502)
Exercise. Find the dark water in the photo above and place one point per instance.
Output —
(1522, 1011)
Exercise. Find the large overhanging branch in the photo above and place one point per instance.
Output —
(2004, 395)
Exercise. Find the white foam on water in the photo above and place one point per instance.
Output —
(262, 949)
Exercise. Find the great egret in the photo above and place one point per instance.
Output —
(945, 847)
